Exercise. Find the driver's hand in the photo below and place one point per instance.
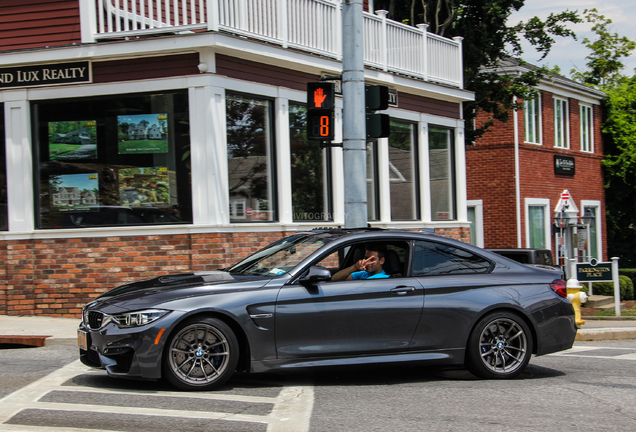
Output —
(363, 263)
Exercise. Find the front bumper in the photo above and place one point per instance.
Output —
(128, 352)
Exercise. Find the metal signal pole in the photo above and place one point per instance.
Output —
(354, 117)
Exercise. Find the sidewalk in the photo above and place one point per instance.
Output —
(40, 331)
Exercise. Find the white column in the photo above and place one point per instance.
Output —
(208, 155)
(424, 50)
(425, 172)
(337, 171)
(460, 172)
(88, 20)
(283, 161)
(384, 180)
(19, 166)
(384, 40)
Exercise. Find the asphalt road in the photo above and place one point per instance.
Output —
(590, 388)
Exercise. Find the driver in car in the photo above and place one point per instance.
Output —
(368, 268)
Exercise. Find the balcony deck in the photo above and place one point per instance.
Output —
(311, 26)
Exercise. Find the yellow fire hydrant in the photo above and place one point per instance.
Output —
(577, 298)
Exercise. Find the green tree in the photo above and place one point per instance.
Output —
(619, 128)
(604, 72)
(488, 40)
(604, 65)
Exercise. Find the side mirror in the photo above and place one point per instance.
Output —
(315, 275)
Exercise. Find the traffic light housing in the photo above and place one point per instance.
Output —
(320, 111)
(377, 99)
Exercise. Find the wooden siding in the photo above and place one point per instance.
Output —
(266, 74)
(28, 24)
(262, 73)
(428, 105)
(145, 68)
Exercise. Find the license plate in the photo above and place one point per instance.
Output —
(82, 340)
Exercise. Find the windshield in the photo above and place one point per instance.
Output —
(282, 256)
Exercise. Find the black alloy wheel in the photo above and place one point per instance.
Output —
(201, 355)
(500, 346)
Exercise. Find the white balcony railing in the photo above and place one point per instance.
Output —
(308, 25)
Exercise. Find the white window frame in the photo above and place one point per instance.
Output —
(534, 115)
(478, 205)
(538, 202)
(586, 121)
(561, 135)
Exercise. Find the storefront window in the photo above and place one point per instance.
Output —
(113, 160)
(441, 157)
(403, 171)
(4, 217)
(309, 171)
(250, 159)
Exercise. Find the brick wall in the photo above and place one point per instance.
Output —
(57, 277)
(491, 177)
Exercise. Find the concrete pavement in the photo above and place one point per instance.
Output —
(32, 330)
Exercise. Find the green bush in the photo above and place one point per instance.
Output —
(607, 288)
(630, 273)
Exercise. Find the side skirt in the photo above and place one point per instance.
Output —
(447, 357)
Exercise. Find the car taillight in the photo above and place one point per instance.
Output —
(559, 286)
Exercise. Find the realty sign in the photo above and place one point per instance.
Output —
(41, 75)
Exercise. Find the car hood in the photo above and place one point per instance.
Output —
(153, 292)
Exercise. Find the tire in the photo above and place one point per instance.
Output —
(499, 347)
(201, 354)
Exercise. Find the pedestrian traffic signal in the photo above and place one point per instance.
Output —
(320, 125)
(320, 96)
(320, 111)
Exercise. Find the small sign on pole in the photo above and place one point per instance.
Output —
(594, 271)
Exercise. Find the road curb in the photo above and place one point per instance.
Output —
(606, 334)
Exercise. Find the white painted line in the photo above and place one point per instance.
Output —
(153, 393)
(291, 412)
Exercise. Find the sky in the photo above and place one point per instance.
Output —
(569, 53)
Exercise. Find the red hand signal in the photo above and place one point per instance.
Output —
(319, 98)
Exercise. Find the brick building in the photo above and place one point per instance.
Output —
(517, 171)
(223, 84)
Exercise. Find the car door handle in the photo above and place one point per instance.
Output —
(403, 290)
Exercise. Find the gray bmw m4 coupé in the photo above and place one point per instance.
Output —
(332, 297)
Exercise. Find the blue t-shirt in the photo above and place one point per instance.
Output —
(366, 275)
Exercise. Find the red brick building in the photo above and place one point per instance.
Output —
(223, 84)
(517, 171)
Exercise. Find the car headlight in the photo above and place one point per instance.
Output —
(138, 318)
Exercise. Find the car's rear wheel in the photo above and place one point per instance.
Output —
(201, 355)
(500, 346)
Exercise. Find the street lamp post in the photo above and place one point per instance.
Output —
(566, 221)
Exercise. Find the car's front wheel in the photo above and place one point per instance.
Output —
(201, 355)
(500, 346)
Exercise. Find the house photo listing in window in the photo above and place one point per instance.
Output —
(250, 150)
(310, 171)
(114, 160)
